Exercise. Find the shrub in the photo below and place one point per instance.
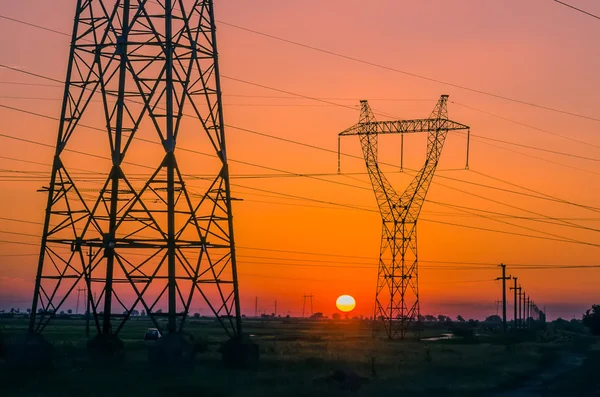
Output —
(591, 319)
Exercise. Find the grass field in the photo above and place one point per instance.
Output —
(297, 356)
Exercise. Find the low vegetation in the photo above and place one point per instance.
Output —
(304, 358)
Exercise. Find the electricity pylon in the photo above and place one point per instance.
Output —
(135, 67)
(397, 293)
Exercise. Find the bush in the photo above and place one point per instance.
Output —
(591, 319)
(468, 334)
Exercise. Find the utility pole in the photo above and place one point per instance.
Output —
(503, 278)
(523, 313)
(515, 301)
(303, 304)
(310, 299)
(275, 312)
(528, 311)
(80, 291)
(520, 306)
(526, 315)
(256, 306)
(497, 306)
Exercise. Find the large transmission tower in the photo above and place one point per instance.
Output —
(397, 293)
(156, 245)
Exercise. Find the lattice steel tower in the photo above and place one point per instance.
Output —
(397, 293)
(123, 220)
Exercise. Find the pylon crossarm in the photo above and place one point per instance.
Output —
(404, 127)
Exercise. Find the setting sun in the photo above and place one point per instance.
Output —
(345, 303)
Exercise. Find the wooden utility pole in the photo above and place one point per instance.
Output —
(503, 278)
(497, 306)
(520, 306)
(516, 319)
(527, 311)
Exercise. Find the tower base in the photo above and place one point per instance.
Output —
(175, 350)
(240, 353)
(106, 347)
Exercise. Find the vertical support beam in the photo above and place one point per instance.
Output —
(339, 155)
(468, 148)
(56, 165)
(170, 164)
(401, 152)
(225, 172)
(109, 240)
(88, 298)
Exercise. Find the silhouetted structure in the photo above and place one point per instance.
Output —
(134, 68)
(397, 292)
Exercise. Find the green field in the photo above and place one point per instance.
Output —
(298, 357)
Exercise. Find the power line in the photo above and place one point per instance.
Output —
(31, 84)
(513, 206)
(536, 148)
(341, 183)
(596, 209)
(380, 66)
(525, 124)
(193, 150)
(370, 64)
(305, 97)
(35, 26)
(535, 157)
(577, 9)
(448, 223)
(549, 198)
(457, 265)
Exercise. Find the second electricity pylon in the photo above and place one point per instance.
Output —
(135, 67)
(397, 293)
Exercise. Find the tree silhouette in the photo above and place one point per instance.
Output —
(494, 318)
(591, 319)
(460, 319)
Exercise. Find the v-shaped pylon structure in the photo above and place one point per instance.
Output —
(397, 293)
(122, 219)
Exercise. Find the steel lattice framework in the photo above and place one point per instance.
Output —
(137, 236)
(397, 293)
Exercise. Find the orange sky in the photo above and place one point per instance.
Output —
(536, 51)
